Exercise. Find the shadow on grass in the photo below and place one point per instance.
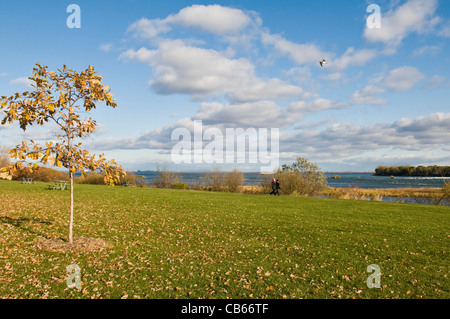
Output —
(20, 221)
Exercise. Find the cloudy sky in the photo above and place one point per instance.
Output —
(382, 99)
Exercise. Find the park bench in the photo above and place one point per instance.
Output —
(126, 184)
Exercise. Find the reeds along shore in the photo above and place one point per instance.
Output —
(361, 193)
(430, 196)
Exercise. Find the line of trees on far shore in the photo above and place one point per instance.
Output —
(407, 170)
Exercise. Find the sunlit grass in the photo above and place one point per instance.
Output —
(193, 244)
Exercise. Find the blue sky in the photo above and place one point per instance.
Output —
(382, 99)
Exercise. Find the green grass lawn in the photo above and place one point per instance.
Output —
(188, 244)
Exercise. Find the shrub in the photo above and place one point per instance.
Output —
(180, 185)
(166, 179)
(233, 180)
(444, 197)
(265, 181)
(133, 179)
(290, 181)
(41, 174)
(302, 176)
(446, 194)
(198, 186)
(95, 178)
(140, 180)
(214, 181)
(91, 178)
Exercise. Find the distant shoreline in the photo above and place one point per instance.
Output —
(249, 172)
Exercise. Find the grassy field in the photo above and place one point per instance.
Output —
(190, 244)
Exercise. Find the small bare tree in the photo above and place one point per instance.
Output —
(166, 178)
(214, 180)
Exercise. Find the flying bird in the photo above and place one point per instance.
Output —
(322, 62)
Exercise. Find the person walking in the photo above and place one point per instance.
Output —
(277, 185)
(274, 187)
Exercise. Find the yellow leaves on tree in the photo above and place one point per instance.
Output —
(60, 97)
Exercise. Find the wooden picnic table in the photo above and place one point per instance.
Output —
(58, 185)
(26, 180)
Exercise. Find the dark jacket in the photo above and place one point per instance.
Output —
(274, 185)
(277, 184)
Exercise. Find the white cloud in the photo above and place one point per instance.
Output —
(211, 18)
(414, 16)
(256, 89)
(105, 47)
(432, 129)
(352, 57)
(336, 76)
(252, 114)
(179, 68)
(299, 53)
(157, 139)
(403, 78)
(309, 53)
(145, 28)
(367, 96)
(190, 70)
(141, 55)
(299, 74)
(445, 31)
(23, 82)
(426, 50)
(316, 105)
(337, 142)
(232, 116)
(398, 80)
(344, 140)
(314, 125)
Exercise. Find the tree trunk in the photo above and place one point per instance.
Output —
(71, 209)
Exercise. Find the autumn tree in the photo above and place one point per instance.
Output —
(61, 98)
